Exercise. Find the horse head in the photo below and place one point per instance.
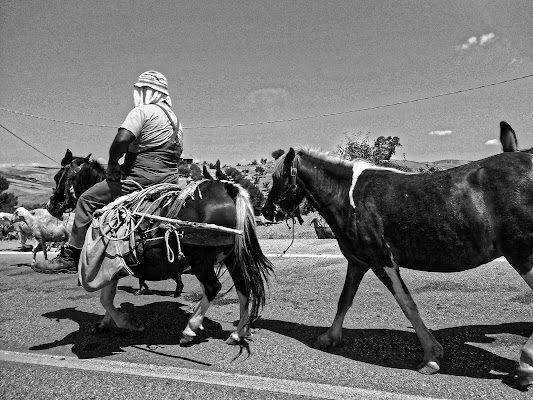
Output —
(77, 174)
(285, 196)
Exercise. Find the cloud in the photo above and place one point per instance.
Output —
(473, 41)
(486, 38)
(267, 99)
(440, 133)
(492, 142)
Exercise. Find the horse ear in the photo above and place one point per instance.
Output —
(67, 159)
(289, 157)
(221, 175)
(508, 137)
(88, 157)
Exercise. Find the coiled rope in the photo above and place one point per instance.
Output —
(122, 217)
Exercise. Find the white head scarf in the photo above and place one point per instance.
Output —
(147, 95)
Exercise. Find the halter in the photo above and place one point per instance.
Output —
(68, 183)
(293, 190)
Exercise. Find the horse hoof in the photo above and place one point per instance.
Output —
(233, 339)
(325, 342)
(429, 368)
(186, 339)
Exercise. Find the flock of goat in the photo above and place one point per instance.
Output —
(39, 225)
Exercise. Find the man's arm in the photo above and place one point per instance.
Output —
(118, 148)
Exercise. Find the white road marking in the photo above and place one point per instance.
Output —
(291, 387)
(271, 255)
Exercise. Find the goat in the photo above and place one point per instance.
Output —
(323, 231)
(44, 228)
(20, 229)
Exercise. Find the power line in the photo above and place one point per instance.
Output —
(366, 108)
(33, 147)
(267, 122)
(296, 118)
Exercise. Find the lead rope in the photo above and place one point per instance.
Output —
(292, 241)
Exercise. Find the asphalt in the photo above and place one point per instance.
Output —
(482, 317)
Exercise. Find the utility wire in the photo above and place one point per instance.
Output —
(33, 147)
(296, 118)
(274, 121)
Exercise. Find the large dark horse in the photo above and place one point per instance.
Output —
(223, 204)
(384, 220)
(77, 174)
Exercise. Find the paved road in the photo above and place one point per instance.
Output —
(47, 349)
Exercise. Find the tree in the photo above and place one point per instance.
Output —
(359, 146)
(385, 147)
(183, 168)
(8, 201)
(277, 153)
(256, 196)
(234, 173)
(196, 172)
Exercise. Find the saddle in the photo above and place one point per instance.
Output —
(122, 230)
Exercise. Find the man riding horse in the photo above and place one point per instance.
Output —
(151, 139)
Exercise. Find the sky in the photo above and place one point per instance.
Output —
(249, 78)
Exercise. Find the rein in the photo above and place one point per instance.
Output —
(68, 183)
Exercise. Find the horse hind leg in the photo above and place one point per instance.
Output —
(525, 366)
(243, 327)
(210, 288)
(113, 317)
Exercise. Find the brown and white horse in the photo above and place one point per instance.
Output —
(385, 219)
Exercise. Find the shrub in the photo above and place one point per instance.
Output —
(277, 153)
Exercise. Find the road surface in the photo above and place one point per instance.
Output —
(48, 350)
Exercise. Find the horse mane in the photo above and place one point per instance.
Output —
(92, 173)
(329, 163)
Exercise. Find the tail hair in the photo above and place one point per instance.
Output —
(255, 266)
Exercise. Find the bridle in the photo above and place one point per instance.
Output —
(68, 191)
(293, 190)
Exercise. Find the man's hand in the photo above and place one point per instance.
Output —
(114, 173)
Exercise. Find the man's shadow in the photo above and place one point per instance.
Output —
(399, 349)
(164, 322)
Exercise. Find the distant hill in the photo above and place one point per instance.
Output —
(441, 164)
(33, 184)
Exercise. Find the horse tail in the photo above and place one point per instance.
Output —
(254, 265)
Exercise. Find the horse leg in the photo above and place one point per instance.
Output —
(525, 365)
(243, 327)
(143, 288)
(114, 318)
(433, 350)
(333, 336)
(38, 247)
(210, 287)
(179, 286)
(44, 248)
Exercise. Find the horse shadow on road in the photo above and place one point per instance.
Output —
(164, 322)
(400, 349)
